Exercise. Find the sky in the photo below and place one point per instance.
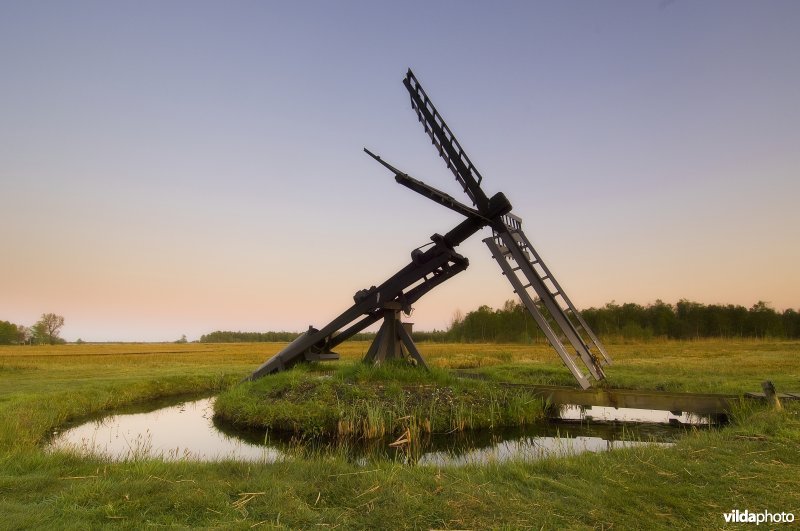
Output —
(172, 168)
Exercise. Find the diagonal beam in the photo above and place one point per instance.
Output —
(428, 191)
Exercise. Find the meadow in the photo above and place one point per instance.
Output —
(752, 464)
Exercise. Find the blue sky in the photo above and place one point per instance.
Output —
(173, 168)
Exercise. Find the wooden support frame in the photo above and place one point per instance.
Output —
(393, 341)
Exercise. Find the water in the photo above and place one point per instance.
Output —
(179, 431)
(187, 431)
(612, 414)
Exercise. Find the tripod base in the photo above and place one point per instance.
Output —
(393, 340)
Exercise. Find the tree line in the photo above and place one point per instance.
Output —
(44, 332)
(228, 336)
(513, 324)
(683, 320)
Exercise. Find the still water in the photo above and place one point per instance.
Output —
(187, 430)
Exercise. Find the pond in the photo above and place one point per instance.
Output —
(187, 430)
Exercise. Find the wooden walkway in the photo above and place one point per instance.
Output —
(697, 403)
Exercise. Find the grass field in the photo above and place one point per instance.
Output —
(753, 464)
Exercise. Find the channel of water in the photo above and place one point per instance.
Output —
(187, 430)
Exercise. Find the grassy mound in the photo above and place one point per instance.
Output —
(365, 401)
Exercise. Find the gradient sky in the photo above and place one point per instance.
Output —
(175, 168)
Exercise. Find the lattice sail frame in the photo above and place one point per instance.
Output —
(530, 278)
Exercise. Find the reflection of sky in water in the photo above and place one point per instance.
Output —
(186, 431)
(530, 449)
(607, 414)
(176, 432)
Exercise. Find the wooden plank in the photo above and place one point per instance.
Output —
(698, 403)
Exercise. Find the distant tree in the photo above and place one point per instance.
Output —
(457, 319)
(182, 339)
(24, 334)
(38, 334)
(690, 317)
(765, 321)
(791, 323)
(46, 330)
(8, 333)
(661, 317)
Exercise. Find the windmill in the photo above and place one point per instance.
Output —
(534, 283)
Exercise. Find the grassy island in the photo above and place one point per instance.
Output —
(363, 401)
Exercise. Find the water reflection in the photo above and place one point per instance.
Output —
(188, 431)
(182, 431)
(613, 414)
(529, 449)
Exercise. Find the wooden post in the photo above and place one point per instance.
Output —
(771, 395)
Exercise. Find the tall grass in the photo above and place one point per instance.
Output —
(367, 402)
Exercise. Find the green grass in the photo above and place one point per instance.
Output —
(365, 401)
(710, 366)
(41, 388)
(753, 464)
